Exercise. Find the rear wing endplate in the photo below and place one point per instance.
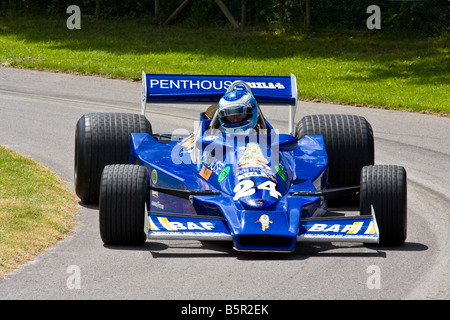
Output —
(279, 90)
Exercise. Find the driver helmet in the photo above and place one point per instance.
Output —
(238, 111)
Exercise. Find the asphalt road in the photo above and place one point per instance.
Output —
(38, 113)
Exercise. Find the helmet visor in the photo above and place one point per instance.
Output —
(235, 115)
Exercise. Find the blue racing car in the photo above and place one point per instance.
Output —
(235, 177)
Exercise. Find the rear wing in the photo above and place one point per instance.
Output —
(279, 90)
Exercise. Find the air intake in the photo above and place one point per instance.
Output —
(265, 243)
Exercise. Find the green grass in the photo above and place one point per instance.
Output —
(359, 68)
(36, 210)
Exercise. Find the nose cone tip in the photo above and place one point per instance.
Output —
(263, 201)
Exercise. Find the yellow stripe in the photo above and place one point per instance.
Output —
(357, 227)
(151, 224)
(166, 224)
(370, 228)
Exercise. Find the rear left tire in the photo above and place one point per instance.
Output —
(102, 139)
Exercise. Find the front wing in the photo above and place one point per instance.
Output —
(164, 226)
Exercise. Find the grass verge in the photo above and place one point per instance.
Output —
(36, 210)
(360, 68)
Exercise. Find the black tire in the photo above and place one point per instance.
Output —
(384, 187)
(102, 139)
(348, 141)
(123, 194)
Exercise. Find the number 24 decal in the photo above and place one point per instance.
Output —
(247, 188)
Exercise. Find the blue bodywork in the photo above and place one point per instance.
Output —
(262, 191)
(250, 182)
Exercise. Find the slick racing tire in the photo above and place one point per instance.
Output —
(123, 194)
(102, 139)
(383, 187)
(349, 144)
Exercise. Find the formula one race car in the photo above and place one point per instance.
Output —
(263, 190)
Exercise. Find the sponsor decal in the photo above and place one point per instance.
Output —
(158, 205)
(348, 229)
(265, 85)
(205, 173)
(253, 157)
(188, 143)
(213, 164)
(154, 176)
(265, 221)
(168, 225)
(246, 173)
(280, 173)
(185, 84)
(216, 166)
(223, 174)
(210, 138)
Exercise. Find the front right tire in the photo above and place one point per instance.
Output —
(384, 187)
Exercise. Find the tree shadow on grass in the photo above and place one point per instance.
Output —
(253, 44)
(121, 37)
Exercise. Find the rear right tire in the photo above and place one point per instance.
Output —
(349, 144)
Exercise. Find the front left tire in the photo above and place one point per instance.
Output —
(123, 194)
